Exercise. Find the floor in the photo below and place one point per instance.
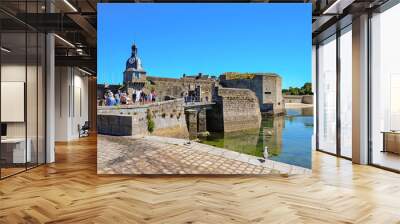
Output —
(10, 171)
(70, 191)
(162, 155)
(387, 159)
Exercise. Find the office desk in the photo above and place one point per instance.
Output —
(391, 141)
(13, 150)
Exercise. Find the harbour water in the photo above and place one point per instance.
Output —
(288, 138)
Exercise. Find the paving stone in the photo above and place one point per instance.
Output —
(160, 155)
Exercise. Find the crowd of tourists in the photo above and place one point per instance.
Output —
(123, 98)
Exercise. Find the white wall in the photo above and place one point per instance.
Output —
(33, 126)
(80, 112)
(14, 72)
(71, 102)
(61, 103)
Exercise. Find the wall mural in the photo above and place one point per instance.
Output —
(197, 89)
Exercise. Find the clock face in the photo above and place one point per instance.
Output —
(131, 60)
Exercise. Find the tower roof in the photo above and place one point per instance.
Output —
(134, 48)
(134, 63)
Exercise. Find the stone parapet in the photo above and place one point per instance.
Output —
(132, 120)
(114, 125)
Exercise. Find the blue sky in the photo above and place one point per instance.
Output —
(174, 39)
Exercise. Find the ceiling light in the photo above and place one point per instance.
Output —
(64, 40)
(337, 7)
(70, 5)
(5, 50)
(79, 51)
(84, 71)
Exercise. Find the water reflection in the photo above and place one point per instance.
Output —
(288, 138)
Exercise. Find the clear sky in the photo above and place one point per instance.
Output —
(174, 39)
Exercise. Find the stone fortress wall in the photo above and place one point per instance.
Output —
(266, 86)
(131, 120)
(235, 110)
(239, 100)
(306, 99)
(177, 88)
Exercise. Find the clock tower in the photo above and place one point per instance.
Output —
(134, 74)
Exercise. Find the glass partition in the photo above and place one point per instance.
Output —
(385, 89)
(31, 97)
(41, 98)
(14, 155)
(327, 95)
(22, 67)
(346, 92)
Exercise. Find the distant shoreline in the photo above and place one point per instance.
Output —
(297, 105)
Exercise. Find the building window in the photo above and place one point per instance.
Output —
(385, 89)
(346, 93)
(327, 95)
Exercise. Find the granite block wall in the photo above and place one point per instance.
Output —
(170, 87)
(306, 99)
(131, 120)
(235, 110)
(191, 122)
(117, 125)
(266, 86)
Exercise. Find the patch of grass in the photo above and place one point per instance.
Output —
(150, 121)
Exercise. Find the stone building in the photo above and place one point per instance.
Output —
(199, 87)
(194, 87)
(266, 86)
(134, 74)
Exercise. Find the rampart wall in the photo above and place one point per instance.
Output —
(307, 99)
(235, 110)
(132, 120)
(178, 87)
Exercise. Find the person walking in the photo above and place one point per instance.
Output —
(153, 96)
(117, 99)
(134, 97)
(138, 94)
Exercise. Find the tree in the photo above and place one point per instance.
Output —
(306, 89)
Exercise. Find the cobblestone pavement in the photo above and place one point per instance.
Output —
(161, 155)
